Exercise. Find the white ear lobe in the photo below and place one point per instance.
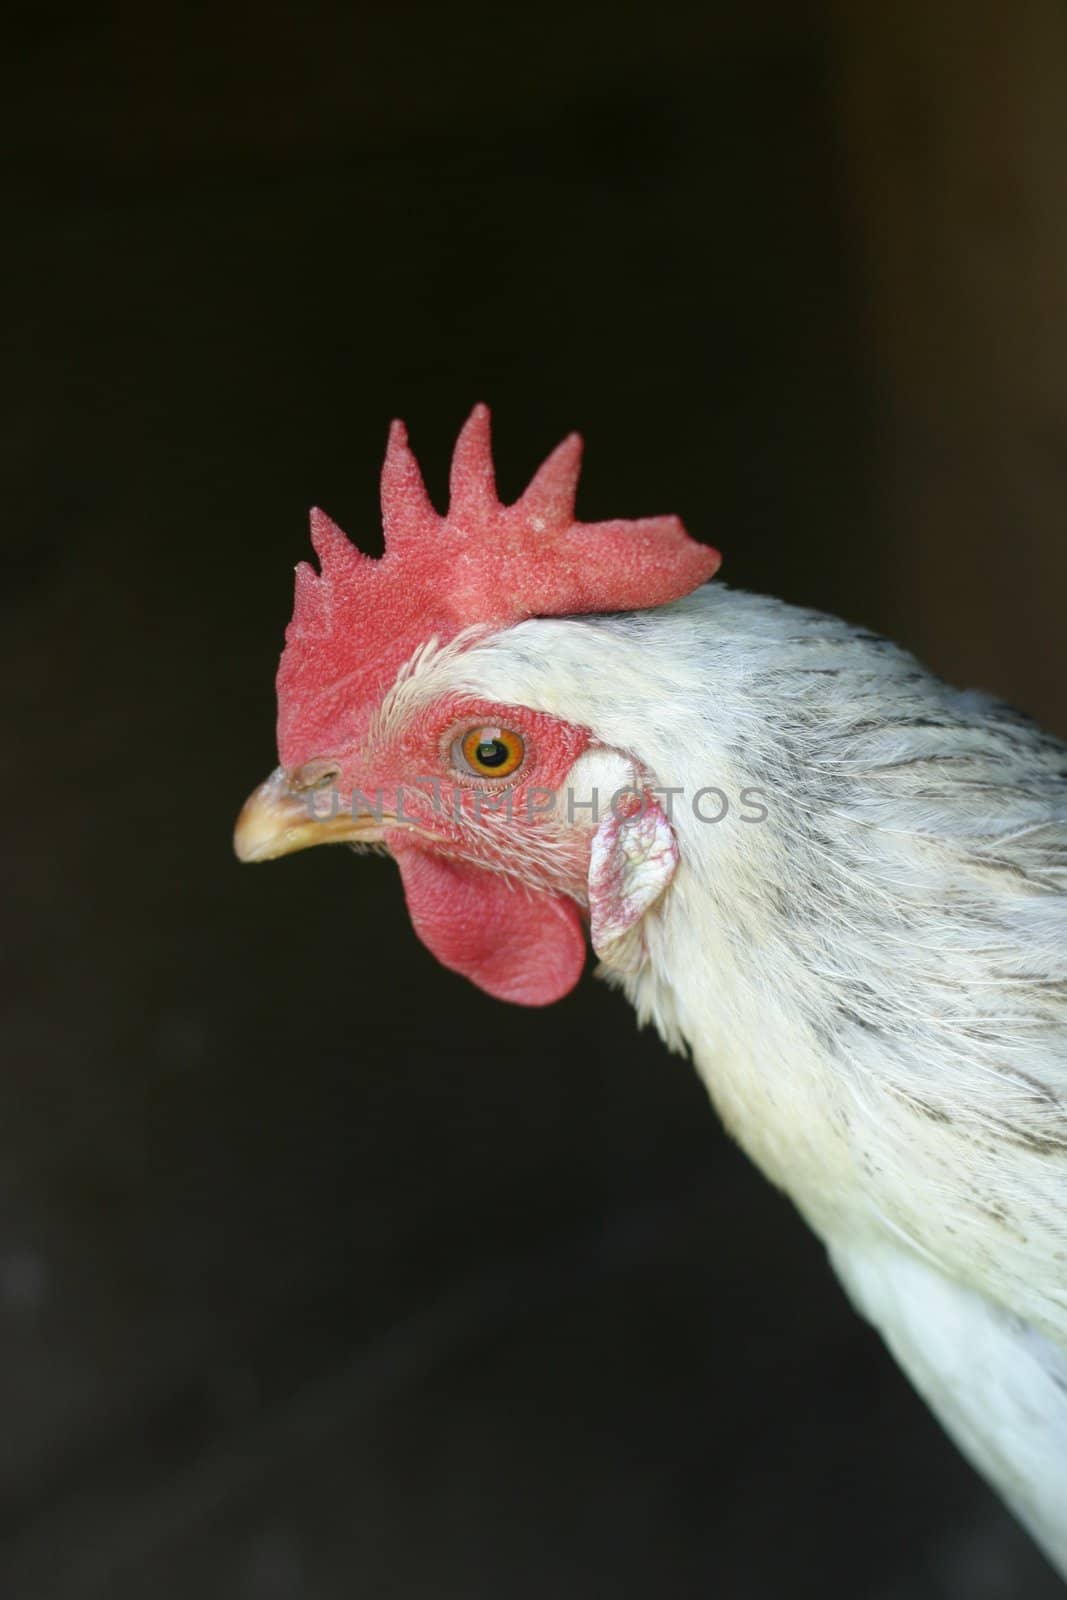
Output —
(632, 860)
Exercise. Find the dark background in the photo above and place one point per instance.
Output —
(322, 1274)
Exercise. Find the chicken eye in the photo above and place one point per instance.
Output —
(489, 752)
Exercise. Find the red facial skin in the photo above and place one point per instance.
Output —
(493, 877)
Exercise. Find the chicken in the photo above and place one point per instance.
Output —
(837, 882)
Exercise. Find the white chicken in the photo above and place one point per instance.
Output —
(836, 881)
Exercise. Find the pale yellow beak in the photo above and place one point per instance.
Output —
(277, 819)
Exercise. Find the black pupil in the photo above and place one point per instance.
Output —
(492, 753)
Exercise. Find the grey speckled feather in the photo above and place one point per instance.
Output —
(872, 981)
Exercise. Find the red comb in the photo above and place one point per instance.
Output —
(357, 621)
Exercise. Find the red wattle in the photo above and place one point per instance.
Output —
(517, 944)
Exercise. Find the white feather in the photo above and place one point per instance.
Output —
(872, 980)
(998, 1388)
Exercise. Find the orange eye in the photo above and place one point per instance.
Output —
(488, 752)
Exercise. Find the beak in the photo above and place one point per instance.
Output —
(277, 819)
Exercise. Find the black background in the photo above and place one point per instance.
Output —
(322, 1274)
